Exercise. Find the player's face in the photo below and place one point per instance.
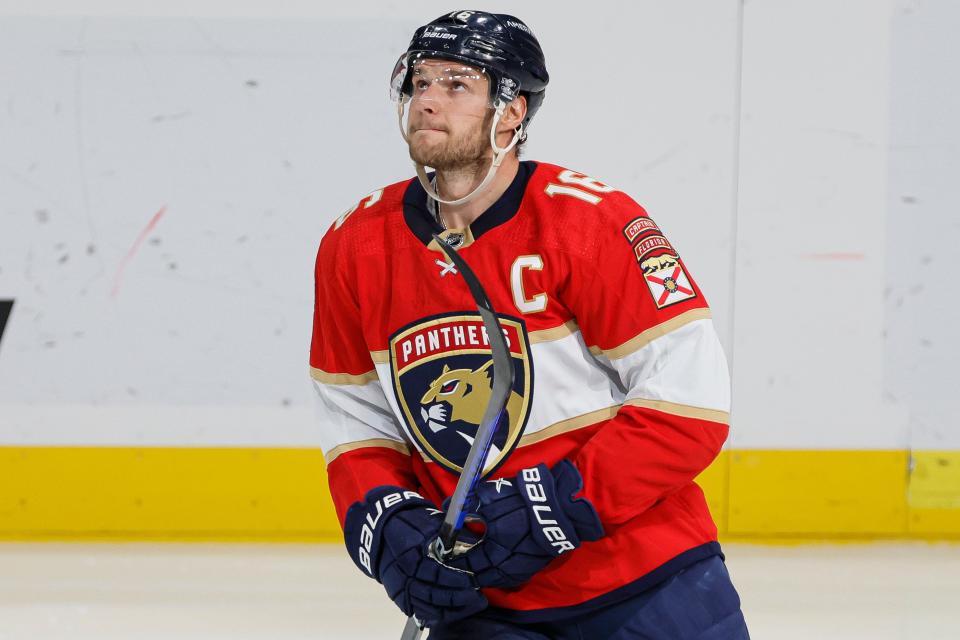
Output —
(450, 115)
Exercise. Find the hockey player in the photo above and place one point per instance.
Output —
(589, 524)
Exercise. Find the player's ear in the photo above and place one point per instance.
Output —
(514, 114)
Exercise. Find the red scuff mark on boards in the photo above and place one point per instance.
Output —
(118, 278)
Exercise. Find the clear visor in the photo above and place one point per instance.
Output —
(447, 83)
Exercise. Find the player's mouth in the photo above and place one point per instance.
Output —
(426, 126)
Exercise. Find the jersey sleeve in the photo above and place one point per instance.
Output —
(361, 439)
(643, 315)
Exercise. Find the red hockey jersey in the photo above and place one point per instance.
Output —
(618, 369)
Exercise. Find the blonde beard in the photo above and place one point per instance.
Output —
(465, 153)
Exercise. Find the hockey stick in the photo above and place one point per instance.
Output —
(503, 374)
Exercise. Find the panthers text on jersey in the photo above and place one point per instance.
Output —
(618, 368)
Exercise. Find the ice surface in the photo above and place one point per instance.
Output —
(283, 592)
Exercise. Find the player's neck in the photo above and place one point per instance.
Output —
(453, 185)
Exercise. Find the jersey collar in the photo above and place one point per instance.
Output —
(422, 223)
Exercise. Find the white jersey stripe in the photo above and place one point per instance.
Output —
(683, 367)
(646, 337)
(578, 384)
(353, 413)
(682, 372)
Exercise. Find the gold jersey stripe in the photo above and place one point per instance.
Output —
(588, 419)
(380, 357)
(646, 337)
(382, 443)
(571, 424)
(342, 378)
(681, 410)
(556, 333)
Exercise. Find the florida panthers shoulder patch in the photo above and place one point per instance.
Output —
(660, 263)
(666, 279)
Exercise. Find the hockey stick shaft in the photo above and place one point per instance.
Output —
(503, 378)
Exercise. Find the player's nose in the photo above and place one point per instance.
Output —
(429, 99)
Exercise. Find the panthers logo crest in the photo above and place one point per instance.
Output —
(443, 380)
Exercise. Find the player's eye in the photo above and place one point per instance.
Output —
(449, 387)
(458, 86)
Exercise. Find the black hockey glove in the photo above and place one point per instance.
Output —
(388, 535)
(529, 521)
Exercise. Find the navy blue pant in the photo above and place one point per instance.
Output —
(700, 603)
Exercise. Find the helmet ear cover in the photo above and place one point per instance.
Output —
(534, 100)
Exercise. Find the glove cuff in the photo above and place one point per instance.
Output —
(366, 520)
(581, 512)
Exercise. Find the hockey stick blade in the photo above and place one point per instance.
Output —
(503, 378)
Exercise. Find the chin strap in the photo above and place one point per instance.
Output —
(498, 156)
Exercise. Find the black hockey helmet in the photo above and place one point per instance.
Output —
(502, 45)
